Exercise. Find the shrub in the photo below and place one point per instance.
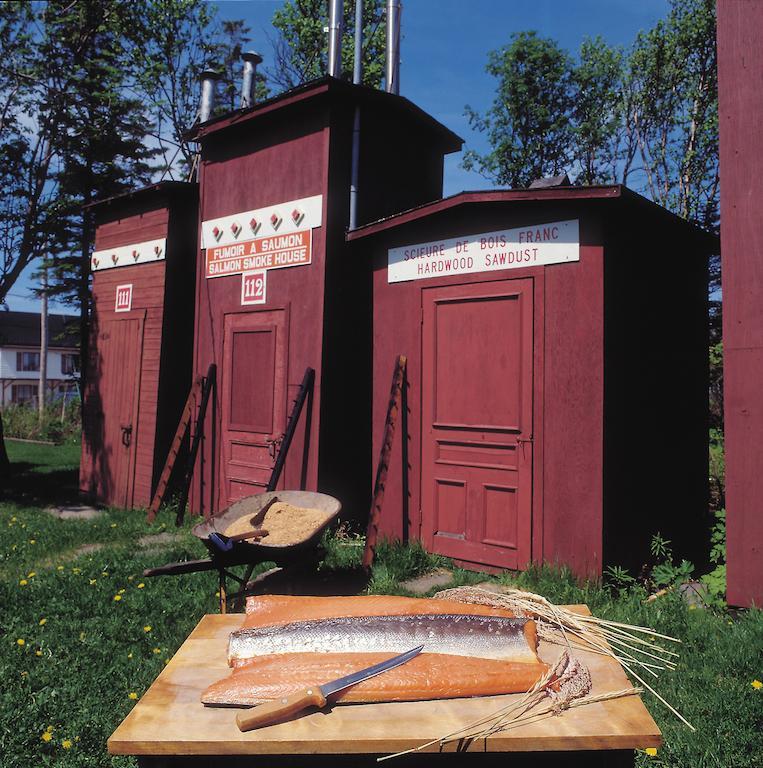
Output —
(59, 424)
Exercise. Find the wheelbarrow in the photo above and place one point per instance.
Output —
(226, 553)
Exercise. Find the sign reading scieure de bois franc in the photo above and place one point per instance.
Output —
(530, 246)
(266, 238)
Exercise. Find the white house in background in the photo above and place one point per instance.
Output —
(20, 356)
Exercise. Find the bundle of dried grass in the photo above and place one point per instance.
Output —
(633, 646)
(566, 684)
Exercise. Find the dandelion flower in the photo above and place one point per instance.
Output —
(46, 737)
(43, 622)
(32, 541)
(117, 598)
(130, 577)
(651, 751)
(76, 570)
(38, 653)
(104, 573)
(129, 655)
(132, 695)
(66, 744)
(23, 582)
(113, 525)
(93, 581)
(21, 641)
(157, 650)
(141, 585)
(756, 684)
(13, 519)
(121, 591)
(31, 574)
(59, 567)
(50, 729)
(147, 628)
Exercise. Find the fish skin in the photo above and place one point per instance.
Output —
(486, 637)
(266, 610)
(428, 676)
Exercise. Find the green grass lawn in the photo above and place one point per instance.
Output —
(83, 634)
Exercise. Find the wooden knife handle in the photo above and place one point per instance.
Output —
(257, 532)
(280, 709)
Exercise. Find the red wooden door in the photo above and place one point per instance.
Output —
(254, 399)
(477, 422)
(121, 346)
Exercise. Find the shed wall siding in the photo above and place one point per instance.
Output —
(740, 72)
(240, 173)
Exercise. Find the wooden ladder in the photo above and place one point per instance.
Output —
(180, 432)
(397, 406)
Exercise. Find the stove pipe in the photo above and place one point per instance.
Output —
(394, 12)
(336, 20)
(249, 80)
(208, 79)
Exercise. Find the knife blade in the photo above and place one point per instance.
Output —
(315, 696)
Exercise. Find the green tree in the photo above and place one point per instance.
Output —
(597, 112)
(529, 126)
(301, 48)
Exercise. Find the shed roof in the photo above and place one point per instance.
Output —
(22, 329)
(340, 89)
(144, 193)
(608, 192)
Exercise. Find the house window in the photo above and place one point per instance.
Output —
(69, 364)
(27, 361)
(23, 393)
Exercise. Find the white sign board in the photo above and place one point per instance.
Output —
(254, 287)
(124, 298)
(278, 219)
(127, 255)
(531, 246)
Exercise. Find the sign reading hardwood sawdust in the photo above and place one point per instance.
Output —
(531, 246)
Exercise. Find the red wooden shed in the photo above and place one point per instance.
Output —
(139, 359)
(557, 375)
(275, 291)
(740, 106)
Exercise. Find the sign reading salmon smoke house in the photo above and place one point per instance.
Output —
(531, 246)
(274, 237)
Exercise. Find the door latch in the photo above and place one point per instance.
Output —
(274, 445)
(126, 435)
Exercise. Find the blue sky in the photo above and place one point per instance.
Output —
(443, 56)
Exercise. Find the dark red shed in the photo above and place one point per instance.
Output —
(740, 106)
(557, 375)
(276, 293)
(139, 360)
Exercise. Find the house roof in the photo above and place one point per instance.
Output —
(22, 329)
(166, 188)
(377, 100)
(463, 200)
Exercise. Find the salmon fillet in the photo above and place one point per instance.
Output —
(428, 676)
(272, 610)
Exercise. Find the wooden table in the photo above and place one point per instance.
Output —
(169, 727)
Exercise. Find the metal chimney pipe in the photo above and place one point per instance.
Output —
(208, 79)
(336, 8)
(357, 76)
(394, 12)
(249, 80)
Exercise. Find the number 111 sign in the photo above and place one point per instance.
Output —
(253, 285)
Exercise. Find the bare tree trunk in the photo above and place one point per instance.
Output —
(5, 464)
(43, 385)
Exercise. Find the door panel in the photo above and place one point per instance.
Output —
(477, 422)
(121, 347)
(254, 399)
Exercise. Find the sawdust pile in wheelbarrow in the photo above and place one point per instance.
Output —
(285, 523)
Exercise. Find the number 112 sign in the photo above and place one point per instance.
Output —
(253, 287)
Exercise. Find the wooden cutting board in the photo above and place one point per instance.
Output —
(170, 720)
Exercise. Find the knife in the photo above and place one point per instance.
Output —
(316, 696)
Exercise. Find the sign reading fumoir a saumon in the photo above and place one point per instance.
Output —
(530, 246)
